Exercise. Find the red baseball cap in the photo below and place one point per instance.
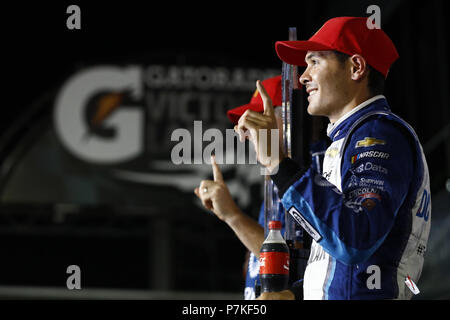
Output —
(273, 88)
(349, 35)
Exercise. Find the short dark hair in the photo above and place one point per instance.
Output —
(375, 80)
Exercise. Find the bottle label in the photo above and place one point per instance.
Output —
(274, 263)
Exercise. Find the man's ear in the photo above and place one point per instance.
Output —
(359, 67)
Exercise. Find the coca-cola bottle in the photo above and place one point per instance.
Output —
(274, 260)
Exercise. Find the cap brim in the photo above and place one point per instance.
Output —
(236, 113)
(294, 52)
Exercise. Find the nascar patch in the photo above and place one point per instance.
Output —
(370, 154)
(369, 142)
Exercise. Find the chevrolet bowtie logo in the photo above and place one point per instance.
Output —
(368, 142)
(333, 152)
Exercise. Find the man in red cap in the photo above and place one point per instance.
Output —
(216, 197)
(369, 213)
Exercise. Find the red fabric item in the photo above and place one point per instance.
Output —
(349, 35)
(273, 88)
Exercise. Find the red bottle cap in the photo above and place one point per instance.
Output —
(274, 224)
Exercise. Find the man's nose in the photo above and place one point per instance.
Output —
(305, 77)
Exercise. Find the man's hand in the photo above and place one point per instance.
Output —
(281, 295)
(250, 126)
(215, 195)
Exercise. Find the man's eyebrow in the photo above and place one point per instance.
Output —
(311, 55)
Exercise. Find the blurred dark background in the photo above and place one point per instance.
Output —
(149, 237)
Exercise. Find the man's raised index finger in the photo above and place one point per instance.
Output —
(216, 170)
(267, 101)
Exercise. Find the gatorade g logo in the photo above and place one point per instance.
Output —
(274, 263)
(92, 118)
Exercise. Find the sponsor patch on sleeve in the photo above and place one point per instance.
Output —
(305, 224)
(370, 154)
(369, 204)
(369, 142)
(362, 198)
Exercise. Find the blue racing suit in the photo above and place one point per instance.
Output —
(252, 276)
(369, 213)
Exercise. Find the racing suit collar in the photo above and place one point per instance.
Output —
(334, 130)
